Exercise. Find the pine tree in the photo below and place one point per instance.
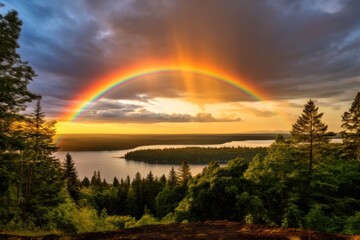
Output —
(15, 75)
(184, 174)
(94, 179)
(71, 176)
(351, 126)
(138, 187)
(116, 182)
(162, 180)
(150, 191)
(42, 172)
(104, 183)
(172, 179)
(85, 182)
(309, 131)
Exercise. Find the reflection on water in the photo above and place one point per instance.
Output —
(110, 165)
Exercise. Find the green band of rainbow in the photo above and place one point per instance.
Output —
(106, 87)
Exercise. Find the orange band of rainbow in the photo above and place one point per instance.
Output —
(98, 91)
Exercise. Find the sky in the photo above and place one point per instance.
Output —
(285, 51)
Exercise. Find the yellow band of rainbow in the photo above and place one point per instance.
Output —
(99, 90)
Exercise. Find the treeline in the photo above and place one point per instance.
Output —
(194, 155)
(134, 197)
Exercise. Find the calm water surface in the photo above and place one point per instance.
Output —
(110, 164)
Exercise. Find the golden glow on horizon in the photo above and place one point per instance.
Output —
(165, 128)
(249, 113)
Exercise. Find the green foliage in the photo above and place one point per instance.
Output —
(168, 199)
(172, 179)
(351, 126)
(213, 194)
(317, 219)
(85, 219)
(71, 177)
(146, 219)
(62, 216)
(85, 182)
(121, 222)
(279, 175)
(194, 155)
(183, 210)
(40, 175)
(352, 225)
(168, 219)
(249, 219)
(309, 132)
(15, 75)
(116, 182)
(184, 174)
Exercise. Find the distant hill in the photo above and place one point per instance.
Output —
(103, 142)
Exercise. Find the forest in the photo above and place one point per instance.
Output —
(195, 155)
(303, 181)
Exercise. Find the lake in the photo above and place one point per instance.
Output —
(110, 164)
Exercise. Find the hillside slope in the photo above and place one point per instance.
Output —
(201, 230)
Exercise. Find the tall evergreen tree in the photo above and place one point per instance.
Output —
(309, 131)
(184, 174)
(150, 191)
(172, 179)
(15, 75)
(162, 180)
(85, 182)
(116, 182)
(71, 176)
(42, 172)
(94, 179)
(351, 126)
(138, 187)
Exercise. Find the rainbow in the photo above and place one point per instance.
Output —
(96, 92)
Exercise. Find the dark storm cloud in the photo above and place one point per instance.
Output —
(291, 49)
(110, 111)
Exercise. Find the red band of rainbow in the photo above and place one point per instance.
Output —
(95, 93)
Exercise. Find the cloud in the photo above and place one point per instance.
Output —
(290, 49)
(141, 115)
(295, 105)
(137, 112)
(261, 113)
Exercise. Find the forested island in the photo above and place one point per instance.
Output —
(195, 155)
(303, 181)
